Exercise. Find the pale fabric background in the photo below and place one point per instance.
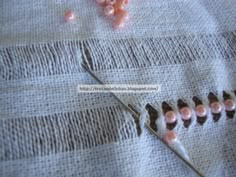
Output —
(48, 129)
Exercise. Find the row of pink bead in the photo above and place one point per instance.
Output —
(201, 111)
(116, 8)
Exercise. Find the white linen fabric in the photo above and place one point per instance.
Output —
(47, 128)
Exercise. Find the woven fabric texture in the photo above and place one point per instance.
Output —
(47, 128)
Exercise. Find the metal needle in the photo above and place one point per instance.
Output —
(146, 125)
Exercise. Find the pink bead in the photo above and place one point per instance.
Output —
(126, 2)
(201, 111)
(121, 19)
(100, 1)
(119, 5)
(70, 16)
(186, 113)
(123, 14)
(216, 107)
(170, 117)
(109, 10)
(229, 105)
(110, 2)
(170, 137)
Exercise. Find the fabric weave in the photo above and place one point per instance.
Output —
(47, 128)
